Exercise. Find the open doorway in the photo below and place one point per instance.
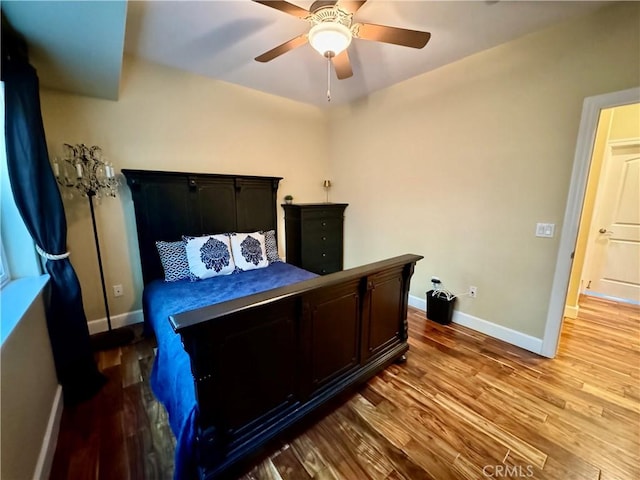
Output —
(591, 112)
(607, 253)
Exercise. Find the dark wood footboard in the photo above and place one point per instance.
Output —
(262, 363)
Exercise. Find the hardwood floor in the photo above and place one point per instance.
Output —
(464, 406)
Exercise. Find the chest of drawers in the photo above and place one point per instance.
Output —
(314, 236)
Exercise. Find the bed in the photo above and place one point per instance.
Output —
(242, 358)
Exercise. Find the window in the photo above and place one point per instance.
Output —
(18, 258)
(4, 270)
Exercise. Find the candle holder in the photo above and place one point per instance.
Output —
(84, 169)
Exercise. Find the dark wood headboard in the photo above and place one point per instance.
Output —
(171, 204)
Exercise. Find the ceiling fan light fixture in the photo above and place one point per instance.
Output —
(329, 38)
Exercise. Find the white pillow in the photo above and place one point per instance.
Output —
(249, 250)
(209, 256)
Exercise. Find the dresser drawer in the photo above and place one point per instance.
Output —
(324, 268)
(322, 226)
(321, 213)
(313, 256)
(322, 240)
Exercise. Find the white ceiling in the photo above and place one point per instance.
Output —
(221, 38)
(75, 46)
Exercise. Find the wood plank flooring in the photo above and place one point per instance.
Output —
(464, 406)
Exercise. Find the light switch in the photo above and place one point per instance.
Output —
(545, 230)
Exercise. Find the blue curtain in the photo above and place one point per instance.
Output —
(38, 200)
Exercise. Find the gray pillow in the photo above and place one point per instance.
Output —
(271, 245)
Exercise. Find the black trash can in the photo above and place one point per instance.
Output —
(440, 307)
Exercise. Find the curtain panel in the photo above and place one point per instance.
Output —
(38, 200)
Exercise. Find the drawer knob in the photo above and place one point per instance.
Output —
(324, 238)
(324, 254)
(324, 224)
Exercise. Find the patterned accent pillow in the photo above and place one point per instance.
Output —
(271, 246)
(209, 256)
(249, 251)
(173, 257)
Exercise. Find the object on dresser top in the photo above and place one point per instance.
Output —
(314, 236)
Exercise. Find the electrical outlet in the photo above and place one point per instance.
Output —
(117, 291)
(473, 291)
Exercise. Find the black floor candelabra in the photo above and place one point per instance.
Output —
(83, 168)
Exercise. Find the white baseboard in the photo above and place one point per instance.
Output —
(117, 321)
(494, 330)
(418, 302)
(571, 311)
(50, 440)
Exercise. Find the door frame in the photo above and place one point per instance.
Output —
(575, 199)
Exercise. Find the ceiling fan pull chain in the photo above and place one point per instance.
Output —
(328, 78)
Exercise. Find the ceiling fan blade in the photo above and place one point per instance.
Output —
(397, 36)
(285, 7)
(284, 48)
(342, 65)
(351, 6)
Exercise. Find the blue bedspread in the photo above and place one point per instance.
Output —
(171, 379)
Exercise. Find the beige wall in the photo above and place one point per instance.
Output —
(170, 120)
(459, 164)
(618, 123)
(27, 394)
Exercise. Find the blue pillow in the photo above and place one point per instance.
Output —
(173, 257)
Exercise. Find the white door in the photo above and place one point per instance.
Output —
(613, 251)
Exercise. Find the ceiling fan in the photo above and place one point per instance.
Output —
(333, 28)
